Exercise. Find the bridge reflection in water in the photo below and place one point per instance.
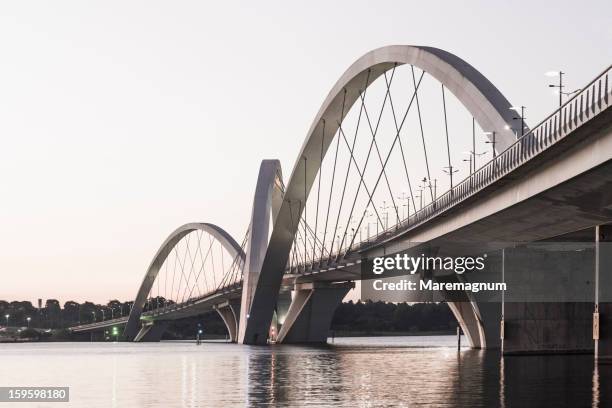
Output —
(416, 371)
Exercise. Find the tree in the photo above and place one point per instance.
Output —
(52, 312)
(70, 314)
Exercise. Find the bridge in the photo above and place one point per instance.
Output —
(353, 195)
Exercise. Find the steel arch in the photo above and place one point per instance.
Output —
(481, 98)
(226, 240)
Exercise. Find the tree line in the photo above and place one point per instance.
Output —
(372, 317)
(356, 317)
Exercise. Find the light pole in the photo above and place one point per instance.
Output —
(385, 214)
(28, 320)
(469, 160)
(423, 187)
(520, 109)
(94, 315)
(404, 196)
(560, 86)
(7, 319)
(450, 171)
(491, 142)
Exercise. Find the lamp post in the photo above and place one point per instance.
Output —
(450, 170)
(385, 214)
(469, 159)
(521, 117)
(492, 142)
(405, 207)
(94, 315)
(28, 320)
(7, 319)
(560, 86)
(423, 187)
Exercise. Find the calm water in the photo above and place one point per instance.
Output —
(353, 372)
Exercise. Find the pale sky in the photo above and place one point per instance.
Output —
(121, 120)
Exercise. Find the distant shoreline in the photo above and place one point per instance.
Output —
(332, 334)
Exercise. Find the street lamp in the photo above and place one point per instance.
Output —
(7, 319)
(28, 319)
(385, 214)
(560, 86)
(405, 207)
(450, 171)
(492, 141)
(520, 109)
(469, 159)
(422, 188)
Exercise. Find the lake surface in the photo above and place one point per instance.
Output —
(352, 372)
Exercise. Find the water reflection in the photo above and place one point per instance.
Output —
(348, 376)
(353, 372)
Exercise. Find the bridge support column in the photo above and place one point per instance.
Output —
(230, 313)
(602, 316)
(151, 332)
(479, 320)
(311, 311)
(548, 307)
(547, 327)
(280, 313)
(469, 323)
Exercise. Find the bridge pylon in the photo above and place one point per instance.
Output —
(260, 287)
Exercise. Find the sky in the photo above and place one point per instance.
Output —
(121, 120)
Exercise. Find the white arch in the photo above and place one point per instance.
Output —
(482, 99)
(226, 240)
(256, 293)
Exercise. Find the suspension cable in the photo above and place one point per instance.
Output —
(374, 132)
(418, 105)
(387, 158)
(348, 168)
(319, 187)
(450, 166)
(331, 188)
(401, 147)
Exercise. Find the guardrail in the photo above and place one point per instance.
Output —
(588, 103)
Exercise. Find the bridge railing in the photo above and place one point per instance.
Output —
(589, 102)
(174, 306)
